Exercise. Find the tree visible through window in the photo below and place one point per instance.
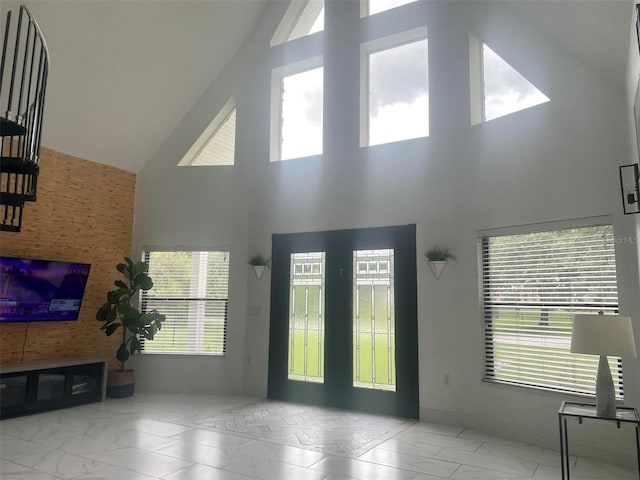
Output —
(192, 290)
(532, 286)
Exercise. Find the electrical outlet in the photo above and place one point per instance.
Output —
(446, 378)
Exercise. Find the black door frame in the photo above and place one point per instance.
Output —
(337, 389)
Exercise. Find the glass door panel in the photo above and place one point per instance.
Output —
(306, 317)
(340, 303)
(374, 359)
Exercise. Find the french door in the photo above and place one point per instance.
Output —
(344, 320)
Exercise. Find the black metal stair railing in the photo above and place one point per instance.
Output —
(24, 68)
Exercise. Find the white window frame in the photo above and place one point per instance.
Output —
(277, 76)
(365, 8)
(291, 19)
(477, 87)
(476, 80)
(197, 294)
(490, 367)
(374, 46)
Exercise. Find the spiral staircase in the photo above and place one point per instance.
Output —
(24, 68)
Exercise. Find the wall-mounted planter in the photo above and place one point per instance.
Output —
(437, 267)
(437, 260)
(258, 270)
(258, 263)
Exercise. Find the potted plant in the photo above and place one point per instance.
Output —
(119, 315)
(259, 263)
(437, 259)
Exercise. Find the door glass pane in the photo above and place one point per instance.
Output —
(374, 356)
(306, 317)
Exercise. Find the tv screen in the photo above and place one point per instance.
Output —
(41, 290)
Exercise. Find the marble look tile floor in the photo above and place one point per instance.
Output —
(193, 437)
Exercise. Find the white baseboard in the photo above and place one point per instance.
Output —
(516, 433)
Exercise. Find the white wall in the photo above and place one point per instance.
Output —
(552, 162)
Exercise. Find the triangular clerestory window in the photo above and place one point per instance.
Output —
(301, 18)
(499, 88)
(216, 145)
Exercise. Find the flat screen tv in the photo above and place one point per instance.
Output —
(41, 290)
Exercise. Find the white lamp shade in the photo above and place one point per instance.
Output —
(610, 335)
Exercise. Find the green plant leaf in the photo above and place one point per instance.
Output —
(112, 296)
(135, 345)
(124, 304)
(123, 354)
(144, 282)
(138, 268)
(121, 284)
(130, 319)
(129, 261)
(101, 314)
(111, 315)
(437, 254)
(111, 328)
(124, 270)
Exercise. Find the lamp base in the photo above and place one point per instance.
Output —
(605, 393)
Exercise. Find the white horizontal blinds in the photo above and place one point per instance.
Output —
(310, 20)
(192, 290)
(533, 284)
(220, 148)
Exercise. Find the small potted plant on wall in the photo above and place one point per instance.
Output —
(119, 315)
(437, 259)
(259, 263)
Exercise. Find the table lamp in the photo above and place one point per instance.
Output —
(603, 335)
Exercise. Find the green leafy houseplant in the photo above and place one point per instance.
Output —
(437, 254)
(119, 314)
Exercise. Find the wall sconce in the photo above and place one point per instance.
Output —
(629, 179)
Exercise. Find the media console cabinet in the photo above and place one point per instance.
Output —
(36, 387)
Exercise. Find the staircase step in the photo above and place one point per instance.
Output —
(9, 128)
(15, 199)
(11, 217)
(18, 165)
(8, 228)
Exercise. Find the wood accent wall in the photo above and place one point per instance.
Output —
(83, 213)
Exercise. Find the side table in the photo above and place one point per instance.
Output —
(585, 410)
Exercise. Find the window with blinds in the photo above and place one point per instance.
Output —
(532, 285)
(216, 145)
(192, 290)
(220, 148)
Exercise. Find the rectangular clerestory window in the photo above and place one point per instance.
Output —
(394, 88)
(297, 110)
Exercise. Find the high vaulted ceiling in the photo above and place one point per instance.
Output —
(124, 73)
(597, 32)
